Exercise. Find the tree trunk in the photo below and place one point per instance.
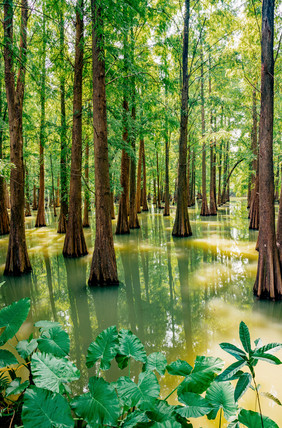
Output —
(86, 191)
(254, 207)
(53, 187)
(279, 229)
(268, 282)
(40, 218)
(144, 194)
(75, 245)
(122, 221)
(204, 209)
(159, 205)
(34, 203)
(4, 218)
(17, 261)
(112, 206)
(103, 267)
(166, 210)
(138, 188)
(254, 148)
(27, 204)
(58, 192)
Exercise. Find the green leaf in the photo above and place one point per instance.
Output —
(54, 341)
(129, 346)
(228, 373)
(12, 317)
(271, 397)
(45, 409)
(234, 424)
(245, 337)
(133, 419)
(161, 412)
(221, 396)
(267, 357)
(105, 347)
(99, 406)
(203, 374)
(233, 350)
(7, 358)
(46, 325)
(274, 347)
(242, 385)
(145, 392)
(52, 373)
(253, 420)
(195, 405)
(156, 361)
(16, 387)
(26, 348)
(179, 368)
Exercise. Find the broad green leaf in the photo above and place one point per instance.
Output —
(99, 406)
(129, 347)
(203, 374)
(145, 392)
(233, 350)
(274, 347)
(179, 368)
(105, 347)
(46, 325)
(135, 418)
(271, 397)
(267, 357)
(12, 317)
(195, 405)
(161, 411)
(231, 371)
(16, 387)
(52, 373)
(245, 337)
(242, 385)
(252, 419)
(156, 361)
(7, 358)
(54, 341)
(221, 396)
(45, 409)
(26, 348)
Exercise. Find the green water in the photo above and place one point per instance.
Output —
(180, 296)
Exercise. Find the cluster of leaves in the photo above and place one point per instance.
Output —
(45, 398)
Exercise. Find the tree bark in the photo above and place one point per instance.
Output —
(27, 204)
(17, 261)
(138, 187)
(279, 229)
(34, 203)
(159, 205)
(182, 226)
(268, 282)
(4, 218)
(53, 187)
(103, 267)
(122, 220)
(205, 208)
(166, 209)
(86, 191)
(75, 245)
(144, 194)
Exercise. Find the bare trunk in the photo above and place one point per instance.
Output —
(53, 187)
(27, 204)
(34, 203)
(159, 205)
(86, 191)
(166, 210)
(58, 192)
(122, 221)
(144, 194)
(279, 229)
(205, 208)
(4, 218)
(133, 219)
(138, 189)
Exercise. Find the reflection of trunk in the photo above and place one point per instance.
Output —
(138, 188)
(86, 191)
(268, 282)
(75, 245)
(50, 287)
(53, 187)
(144, 194)
(17, 261)
(129, 291)
(103, 267)
(182, 225)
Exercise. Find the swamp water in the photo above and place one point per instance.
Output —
(179, 296)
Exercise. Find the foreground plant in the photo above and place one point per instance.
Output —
(45, 399)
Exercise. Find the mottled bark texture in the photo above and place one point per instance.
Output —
(4, 218)
(75, 245)
(103, 267)
(182, 226)
(86, 190)
(268, 284)
(17, 261)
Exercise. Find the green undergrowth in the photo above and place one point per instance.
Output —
(45, 400)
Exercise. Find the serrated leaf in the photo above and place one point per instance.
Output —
(104, 348)
(179, 368)
(46, 325)
(253, 420)
(99, 406)
(145, 392)
(195, 405)
(45, 409)
(54, 341)
(12, 317)
(221, 396)
(274, 347)
(271, 397)
(26, 348)
(233, 350)
(231, 371)
(245, 337)
(242, 385)
(267, 357)
(156, 361)
(7, 358)
(129, 347)
(52, 373)
(15, 387)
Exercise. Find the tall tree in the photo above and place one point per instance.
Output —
(75, 245)
(103, 267)
(17, 261)
(182, 224)
(4, 218)
(204, 209)
(86, 190)
(268, 282)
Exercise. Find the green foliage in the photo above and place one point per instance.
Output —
(45, 399)
(12, 317)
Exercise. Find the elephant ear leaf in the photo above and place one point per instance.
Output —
(104, 348)
(54, 341)
(12, 317)
(129, 347)
(220, 395)
(156, 361)
(252, 419)
(45, 409)
(7, 358)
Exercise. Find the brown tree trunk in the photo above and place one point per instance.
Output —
(4, 218)
(58, 192)
(279, 229)
(122, 220)
(213, 210)
(138, 188)
(254, 148)
(34, 203)
(86, 191)
(27, 204)
(75, 245)
(254, 207)
(17, 261)
(144, 193)
(205, 208)
(166, 210)
(268, 282)
(103, 267)
(53, 187)
(112, 206)
(159, 205)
